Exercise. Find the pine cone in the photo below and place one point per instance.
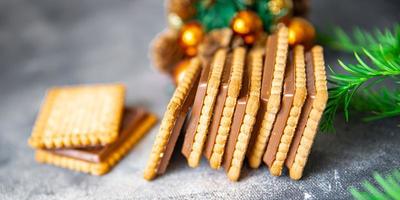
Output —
(183, 8)
(261, 39)
(214, 40)
(165, 51)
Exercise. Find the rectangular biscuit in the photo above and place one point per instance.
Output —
(294, 94)
(99, 160)
(317, 96)
(79, 116)
(173, 120)
(194, 117)
(271, 91)
(218, 108)
(224, 107)
(200, 118)
(244, 116)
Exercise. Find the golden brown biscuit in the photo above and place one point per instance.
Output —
(172, 121)
(224, 108)
(244, 116)
(200, 118)
(317, 96)
(271, 91)
(294, 94)
(79, 116)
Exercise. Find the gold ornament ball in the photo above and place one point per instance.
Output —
(179, 71)
(191, 35)
(246, 22)
(300, 31)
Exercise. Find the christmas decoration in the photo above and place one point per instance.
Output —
(301, 31)
(246, 22)
(190, 37)
(362, 88)
(217, 14)
(248, 25)
(195, 27)
(213, 40)
(165, 51)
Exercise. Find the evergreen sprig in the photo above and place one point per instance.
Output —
(218, 13)
(361, 39)
(378, 60)
(214, 14)
(390, 188)
(382, 104)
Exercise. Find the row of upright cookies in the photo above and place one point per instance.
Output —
(262, 102)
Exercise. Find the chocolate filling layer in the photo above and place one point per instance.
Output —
(269, 67)
(131, 119)
(307, 107)
(283, 114)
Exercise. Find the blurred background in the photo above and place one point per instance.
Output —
(45, 43)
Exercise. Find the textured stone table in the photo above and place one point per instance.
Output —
(46, 42)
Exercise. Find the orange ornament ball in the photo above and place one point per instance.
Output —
(249, 39)
(191, 51)
(300, 31)
(179, 71)
(246, 22)
(191, 35)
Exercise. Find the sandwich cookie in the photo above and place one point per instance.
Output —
(173, 120)
(294, 94)
(244, 116)
(99, 160)
(224, 107)
(271, 91)
(317, 96)
(202, 110)
(79, 116)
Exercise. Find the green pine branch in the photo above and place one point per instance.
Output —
(218, 13)
(361, 39)
(378, 60)
(389, 188)
(265, 14)
(215, 14)
(381, 104)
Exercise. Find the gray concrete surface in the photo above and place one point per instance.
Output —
(46, 42)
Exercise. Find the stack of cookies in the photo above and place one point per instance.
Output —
(87, 128)
(262, 102)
